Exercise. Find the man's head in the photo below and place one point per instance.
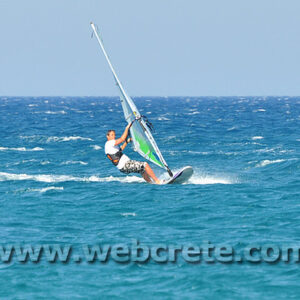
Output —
(111, 135)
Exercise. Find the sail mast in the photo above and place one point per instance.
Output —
(118, 82)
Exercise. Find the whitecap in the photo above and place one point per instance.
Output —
(163, 119)
(193, 113)
(59, 112)
(257, 138)
(80, 111)
(232, 128)
(128, 214)
(259, 110)
(200, 152)
(71, 162)
(41, 178)
(25, 137)
(46, 189)
(265, 150)
(269, 162)
(127, 179)
(67, 139)
(23, 149)
(65, 178)
(96, 147)
(25, 161)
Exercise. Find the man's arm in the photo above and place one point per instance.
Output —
(124, 135)
(125, 144)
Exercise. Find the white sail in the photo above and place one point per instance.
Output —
(143, 140)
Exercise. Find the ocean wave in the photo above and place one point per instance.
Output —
(163, 119)
(269, 162)
(128, 214)
(232, 128)
(201, 152)
(80, 111)
(74, 162)
(259, 110)
(23, 149)
(257, 138)
(46, 189)
(65, 178)
(60, 112)
(198, 179)
(26, 161)
(216, 152)
(96, 147)
(266, 150)
(67, 139)
(26, 137)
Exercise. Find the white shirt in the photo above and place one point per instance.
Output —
(110, 148)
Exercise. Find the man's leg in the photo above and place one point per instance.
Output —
(146, 177)
(151, 174)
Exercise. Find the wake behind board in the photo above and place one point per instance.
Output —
(181, 176)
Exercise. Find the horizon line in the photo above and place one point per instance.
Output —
(138, 96)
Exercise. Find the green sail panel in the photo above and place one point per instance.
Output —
(140, 135)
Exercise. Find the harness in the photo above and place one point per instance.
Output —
(115, 158)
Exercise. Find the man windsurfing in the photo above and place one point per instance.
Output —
(113, 151)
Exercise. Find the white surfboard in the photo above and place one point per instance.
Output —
(181, 176)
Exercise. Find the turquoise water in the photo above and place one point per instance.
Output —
(57, 187)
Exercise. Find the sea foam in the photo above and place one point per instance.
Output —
(23, 149)
(67, 139)
(65, 178)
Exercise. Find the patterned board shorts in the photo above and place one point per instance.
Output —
(134, 166)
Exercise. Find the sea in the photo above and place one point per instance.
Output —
(58, 188)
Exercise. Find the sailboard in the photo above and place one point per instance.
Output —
(140, 131)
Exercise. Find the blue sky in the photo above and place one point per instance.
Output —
(158, 47)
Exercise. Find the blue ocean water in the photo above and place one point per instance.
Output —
(57, 187)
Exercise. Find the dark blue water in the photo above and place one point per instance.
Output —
(57, 187)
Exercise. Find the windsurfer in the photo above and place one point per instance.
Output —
(113, 151)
